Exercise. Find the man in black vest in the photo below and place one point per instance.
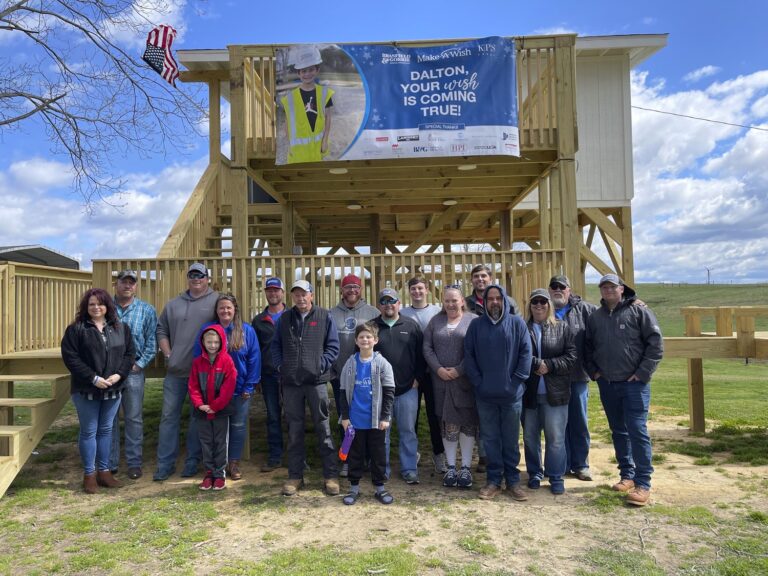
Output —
(305, 346)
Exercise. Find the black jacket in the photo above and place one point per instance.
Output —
(86, 356)
(558, 352)
(265, 332)
(477, 308)
(401, 345)
(576, 318)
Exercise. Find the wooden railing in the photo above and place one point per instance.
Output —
(36, 304)
(545, 84)
(696, 345)
(195, 223)
(163, 279)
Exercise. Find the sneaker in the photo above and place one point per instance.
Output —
(638, 496)
(534, 483)
(207, 483)
(135, 473)
(480, 465)
(557, 487)
(270, 466)
(190, 469)
(162, 475)
(516, 493)
(292, 485)
(344, 473)
(411, 478)
(441, 466)
(584, 475)
(465, 477)
(451, 478)
(219, 484)
(623, 485)
(331, 486)
(489, 491)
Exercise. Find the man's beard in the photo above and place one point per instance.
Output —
(495, 313)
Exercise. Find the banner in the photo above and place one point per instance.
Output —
(369, 101)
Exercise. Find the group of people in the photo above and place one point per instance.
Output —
(483, 369)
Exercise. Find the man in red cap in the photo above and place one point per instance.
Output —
(351, 311)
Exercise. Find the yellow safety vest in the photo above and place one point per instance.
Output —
(304, 143)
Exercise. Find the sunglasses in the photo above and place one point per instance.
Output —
(196, 276)
(387, 302)
(557, 287)
(454, 286)
(539, 302)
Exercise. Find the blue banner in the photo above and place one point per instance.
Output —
(393, 102)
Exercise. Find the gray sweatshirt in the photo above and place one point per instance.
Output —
(180, 323)
(346, 320)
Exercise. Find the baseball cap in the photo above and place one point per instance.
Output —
(560, 279)
(611, 279)
(351, 279)
(198, 267)
(274, 282)
(389, 293)
(303, 284)
(128, 274)
(540, 293)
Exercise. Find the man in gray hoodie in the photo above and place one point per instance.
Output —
(177, 330)
(350, 312)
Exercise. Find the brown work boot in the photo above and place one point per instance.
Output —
(105, 478)
(623, 485)
(234, 470)
(489, 492)
(638, 496)
(481, 465)
(89, 483)
(332, 486)
(516, 493)
(292, 485)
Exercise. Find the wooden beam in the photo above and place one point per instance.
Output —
(436, 224)
(505, 229)
(627, 246)
(214, 121)
(605, 225)
(207, 76)
(613, 253)
(239, 194)
(595, 260)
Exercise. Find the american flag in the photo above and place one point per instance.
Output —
(158, 53)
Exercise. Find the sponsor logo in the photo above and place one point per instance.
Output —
(382, 138)
(395, 58)
(435, 138)
(510, 146)
(408, 138)
(485, 147)
(458, 147)
(508, 136)
(419, 149)
(452, 52)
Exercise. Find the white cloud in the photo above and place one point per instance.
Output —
(41, 174)
(130, 28)
(561, 29)
(699, 73)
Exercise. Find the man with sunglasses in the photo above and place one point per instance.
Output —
(400, 342)
(177, 330)
(622, 349)
(574, 311)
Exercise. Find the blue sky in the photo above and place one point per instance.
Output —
(701, 189)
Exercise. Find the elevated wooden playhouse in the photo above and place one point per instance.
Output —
(569, 192)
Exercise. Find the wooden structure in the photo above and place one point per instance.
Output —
(725, 342)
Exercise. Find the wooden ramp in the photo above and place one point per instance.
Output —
(17, 442)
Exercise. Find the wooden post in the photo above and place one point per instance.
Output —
(695, 376)
(745, 336)
(627, 249)
(545, 232)
(505, 229)
(288, 229)
(238, 180)
(214, 121)
(724, 321)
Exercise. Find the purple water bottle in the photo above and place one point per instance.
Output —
(346, 444)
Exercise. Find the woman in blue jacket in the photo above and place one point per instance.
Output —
(243, 346)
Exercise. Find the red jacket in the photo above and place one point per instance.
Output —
(213, 383)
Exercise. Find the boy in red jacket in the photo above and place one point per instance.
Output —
(211, 386)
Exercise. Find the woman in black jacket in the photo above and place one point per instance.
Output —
(98, 351)
(547, 392)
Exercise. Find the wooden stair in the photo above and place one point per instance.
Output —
(262, 229)
(17, 442)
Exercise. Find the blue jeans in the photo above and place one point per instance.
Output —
(271, 393)
(577, 438)
(500, 433)
(95, 439)
(174, 393)
(238, 425)
(626, 407)
(404, 413)
(553, 420)
(133, 414)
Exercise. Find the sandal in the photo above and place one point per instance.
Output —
(351, 498)
(384, 497)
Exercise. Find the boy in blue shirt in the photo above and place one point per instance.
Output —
(368, 393)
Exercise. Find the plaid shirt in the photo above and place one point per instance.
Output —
(142, 321)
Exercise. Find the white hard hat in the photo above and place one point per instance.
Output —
(304, 56)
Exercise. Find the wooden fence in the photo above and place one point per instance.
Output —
(36, 304)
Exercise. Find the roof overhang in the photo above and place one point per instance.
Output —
(37, 254)
(638, 47)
